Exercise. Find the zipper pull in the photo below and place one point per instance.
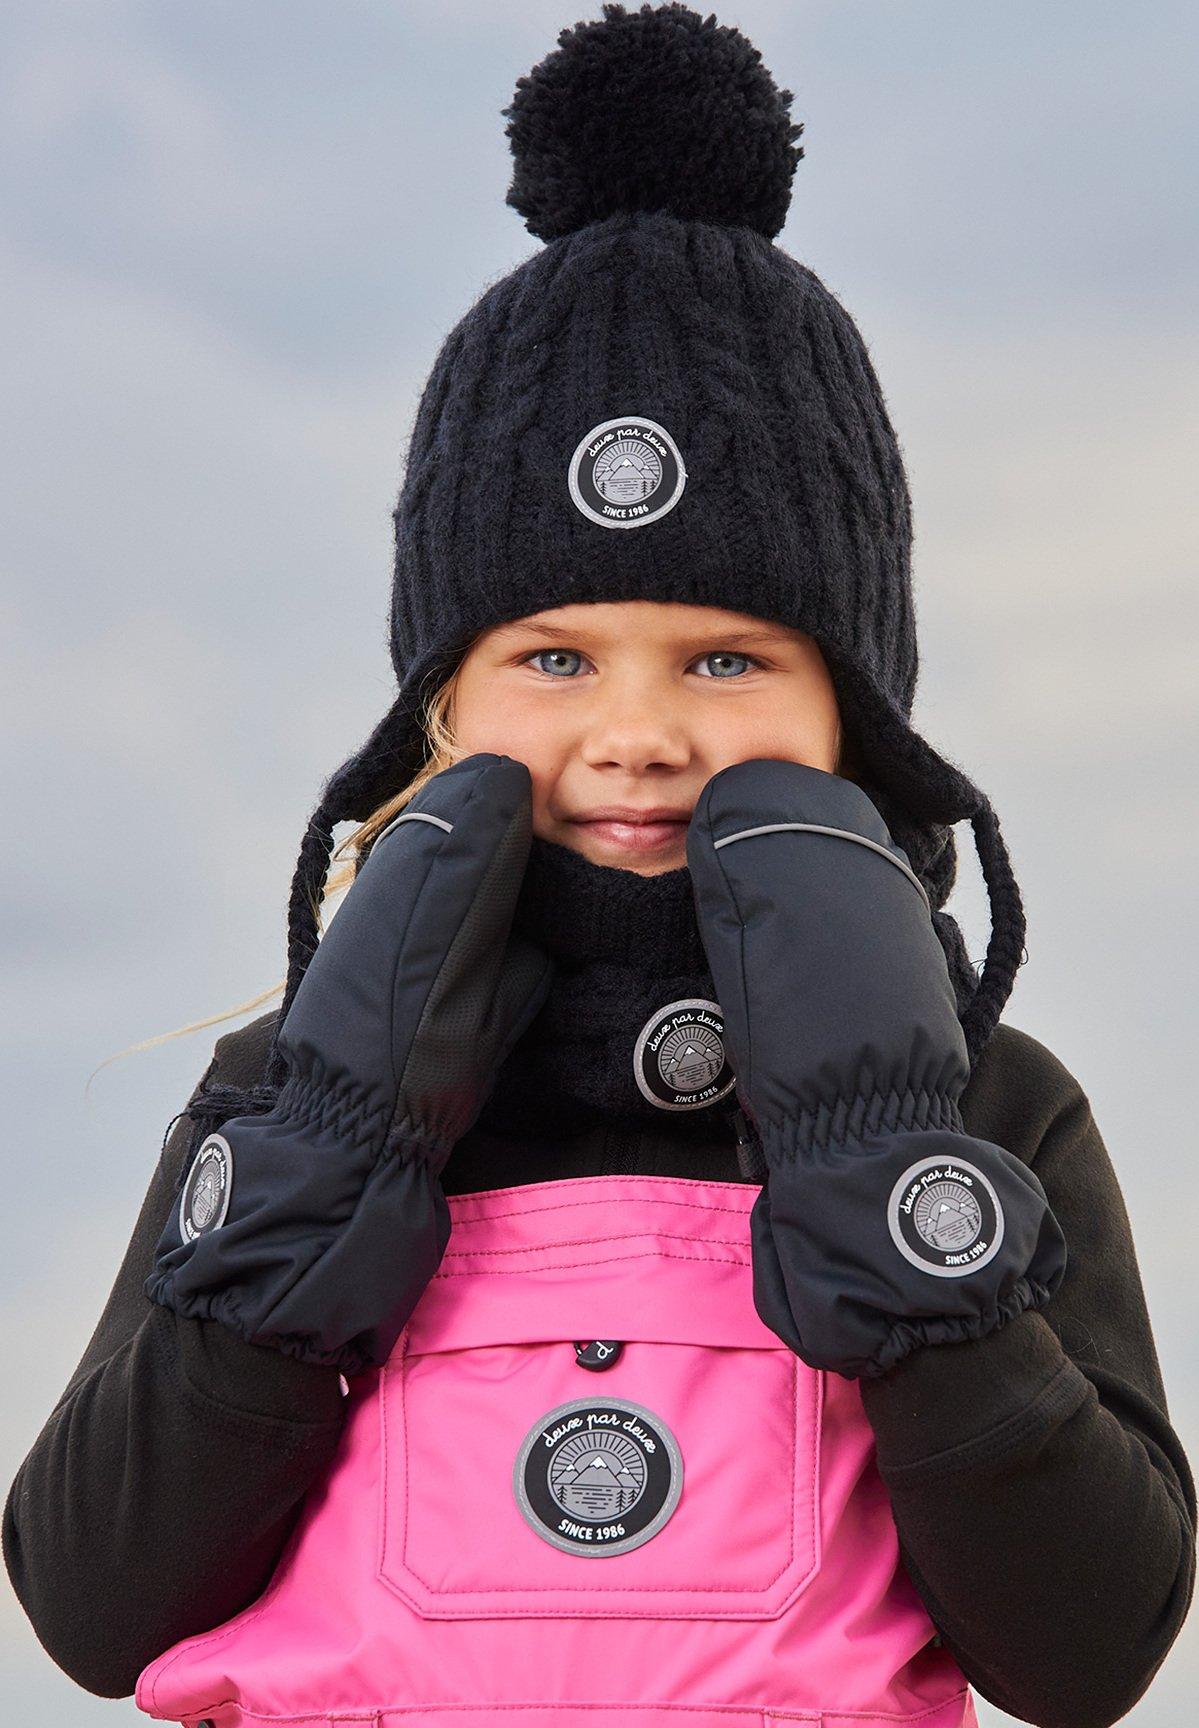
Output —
(750, 1156)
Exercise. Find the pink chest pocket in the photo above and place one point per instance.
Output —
(679, 1479)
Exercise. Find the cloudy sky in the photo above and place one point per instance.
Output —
(233, 238)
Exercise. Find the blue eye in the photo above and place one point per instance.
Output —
(540, 652)
(721, 654)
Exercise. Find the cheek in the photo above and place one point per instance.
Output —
(792, 727)
(491, 716)
(496, 717)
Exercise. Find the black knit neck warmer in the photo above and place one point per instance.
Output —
(624, 946)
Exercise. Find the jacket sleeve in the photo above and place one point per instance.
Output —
(163, 1486)
(1044, 1504)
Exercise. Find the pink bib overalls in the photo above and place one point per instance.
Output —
(589, 1487)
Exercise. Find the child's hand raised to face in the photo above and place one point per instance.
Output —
(316, 1227)
(882, 1226)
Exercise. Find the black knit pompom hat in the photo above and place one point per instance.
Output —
(661, 404)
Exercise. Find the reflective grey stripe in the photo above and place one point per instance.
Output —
(415, 816)
(841, 834)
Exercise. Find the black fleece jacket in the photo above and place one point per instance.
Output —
(1045, 1507)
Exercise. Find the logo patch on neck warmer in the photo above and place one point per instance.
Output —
(598, 1476)
(679, 1061)
(625, 473)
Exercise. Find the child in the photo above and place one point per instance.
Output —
(643, 1015)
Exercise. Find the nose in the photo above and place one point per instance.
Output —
(635, 733)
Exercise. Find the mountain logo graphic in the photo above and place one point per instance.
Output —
(626, 472)
(945, 1216)
(679, 1060)
(205, 1199)
(598, 1476)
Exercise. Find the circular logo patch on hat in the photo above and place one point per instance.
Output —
(206, 1192)
(945, 1217)
(598, 1476)
(679, 1061)
(625, 473)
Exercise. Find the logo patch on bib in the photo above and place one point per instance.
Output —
(679, 1061)
(945, 1217)
(206, 1192)
(625, 473)
(598, 1476)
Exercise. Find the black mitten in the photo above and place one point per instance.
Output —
(315, 1228)
(882, 1225)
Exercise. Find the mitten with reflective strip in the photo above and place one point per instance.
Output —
(315, 1227)
(882, 1226)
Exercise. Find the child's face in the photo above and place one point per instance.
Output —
(638, 703)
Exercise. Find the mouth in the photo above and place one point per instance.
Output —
(639, 837)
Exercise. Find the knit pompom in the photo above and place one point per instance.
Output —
(659, 109)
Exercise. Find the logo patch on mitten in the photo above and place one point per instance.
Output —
(206, 1192)
(598, 1476)
(625, 473)
(679, 1061)
(945, 1217)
